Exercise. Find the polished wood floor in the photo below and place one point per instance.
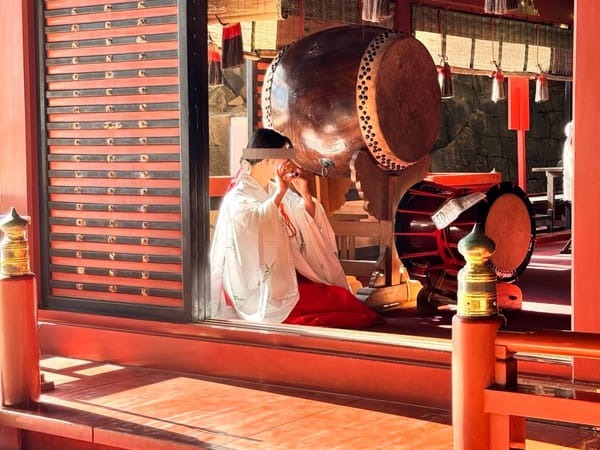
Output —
(103, 406)
(546, 290)
(106, 406)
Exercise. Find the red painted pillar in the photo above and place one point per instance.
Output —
(403, 16)
(474, 329)
(518, 119)
(586, 189)
(19, 342)
(473, 363)
(20, 380)
(19, 175)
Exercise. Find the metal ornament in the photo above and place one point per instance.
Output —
(477, 294)
(14, 248)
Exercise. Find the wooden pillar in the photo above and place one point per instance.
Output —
(585, 291)
(518, 119)
(403, 16)
(506, 431)
(19, 179)
(20, 380)
(473, 368)
(474, 329)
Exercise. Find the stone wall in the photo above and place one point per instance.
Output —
(224, 102)
(474, 134)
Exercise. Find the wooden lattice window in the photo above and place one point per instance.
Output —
(112, 149)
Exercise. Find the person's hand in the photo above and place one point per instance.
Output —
(300, 183)
(290, 174)
(280, 181)
(281, 185)
(287, 171)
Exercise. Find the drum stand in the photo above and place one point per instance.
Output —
(388, 285)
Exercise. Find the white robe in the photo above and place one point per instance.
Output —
(255, 260)
(567, 160)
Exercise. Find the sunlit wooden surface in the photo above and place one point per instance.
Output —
(103, 405)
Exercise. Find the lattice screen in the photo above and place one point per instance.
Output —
(112, 149)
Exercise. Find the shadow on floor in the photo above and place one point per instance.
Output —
(546, 288)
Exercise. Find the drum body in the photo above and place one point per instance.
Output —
(352, 88)
(506, 216)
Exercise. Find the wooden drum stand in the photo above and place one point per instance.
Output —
(386, 281)
(388, 285)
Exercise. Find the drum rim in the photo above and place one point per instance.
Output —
(366, 86)
(429, 189)
(493, 193)
(268, 86)
(482, 209)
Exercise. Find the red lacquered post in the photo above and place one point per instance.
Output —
(19, 336)
(472, 371)
(474, 329)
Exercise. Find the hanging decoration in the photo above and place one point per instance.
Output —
(542, 93)
(215, 71)
(233, 48)
(507, 6)
(541, 88)
(498, 91)
(500, 6)
(445, 78)
(528, 7)
(444, 71)
(375, 10)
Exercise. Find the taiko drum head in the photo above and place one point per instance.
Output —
(508, 222)
(398, 100)
(353, 88)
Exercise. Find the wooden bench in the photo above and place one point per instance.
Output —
(551, 197)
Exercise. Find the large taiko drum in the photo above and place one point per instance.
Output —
(352, 88)
(506, 216)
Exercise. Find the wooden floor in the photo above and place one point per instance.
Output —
(124, 407)
(103, 406)
(546, 291)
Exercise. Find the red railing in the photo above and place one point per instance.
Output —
(489, 408)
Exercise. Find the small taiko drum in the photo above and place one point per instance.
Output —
(352, 88)
(506, 216)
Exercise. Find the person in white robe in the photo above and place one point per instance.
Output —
(567, 162)
(269, 228)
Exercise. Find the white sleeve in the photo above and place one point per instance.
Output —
(314, 246)
(252, 260)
